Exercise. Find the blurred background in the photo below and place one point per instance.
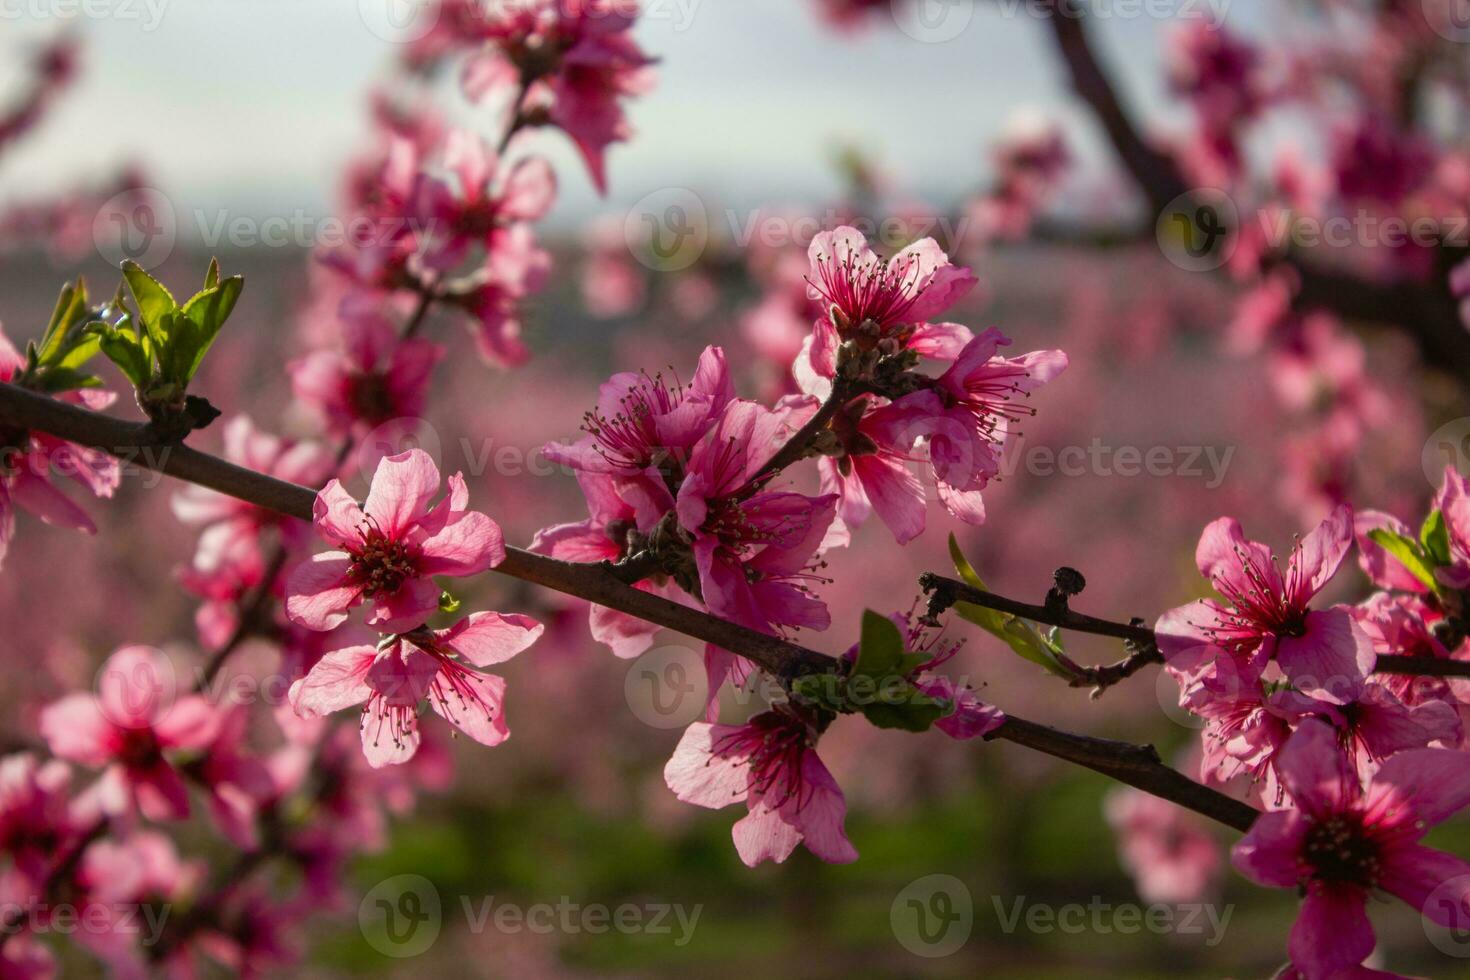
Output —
(249, 112)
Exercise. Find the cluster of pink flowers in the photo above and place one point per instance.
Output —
(1291, 703)
(680, 474)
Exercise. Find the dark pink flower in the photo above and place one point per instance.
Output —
(392, 545)
(476, 212)
(969, 412)
(1265, 615)
(883, 306)
(648, 425)
(1339, 844)
(373, 380)
(128, 726)
(770, 764)
(872, 473)
(756, 550)
(391, 680)
(28, 459)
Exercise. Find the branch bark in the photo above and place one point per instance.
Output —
(1132, 764)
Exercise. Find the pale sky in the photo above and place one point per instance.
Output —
(254, 104)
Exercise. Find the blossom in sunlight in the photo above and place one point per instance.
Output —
(770, 764)
(570, 63)
(969, 412)
(473, 212)
(1265, 615)
(375, 379)
(128, 726)
(757, 551)
(392, 546)
(392, 679)
(879, 306)
(1339, 844)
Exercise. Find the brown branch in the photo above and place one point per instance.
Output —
(1135, 765)
(1421, 666)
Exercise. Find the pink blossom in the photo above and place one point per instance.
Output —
(129, 725)
(969, 412)
(27, 459)
(394, 678)
(770, 764)
(647, 426)
(1171, 857)
(230, 523)
(373, 380)
(36, 818)
(476, 213)
(392, 545)
(755, 550)
(579, 60)
(607, 535)
(1265, 616)
(1339, 844)
(879, 306)
(872, 473)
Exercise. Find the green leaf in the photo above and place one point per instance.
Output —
(448, 603)
(153, 298)
(915, 712)
(125, 349)
(55, 380)
(1017, 633)
(207, 311)
(1407, 552)
(211, 278)
(1435, 536)
(71, 307)
(880, 648)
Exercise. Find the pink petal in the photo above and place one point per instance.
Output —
(189, 723)
(530, 190)
(1316, 770)
(763, 835)
(1421, 785)
(411, 606)
(401, 490)
(487, 638)
(338, 518)
(1331, 659)
(468, 544)
(339, 680)
(481, 714)
(1435, 884)
(820, 817)
(318, 593)
(36, 494)
(1321, 552)
(76, 729)
(1332, 932)
(697, 775)
(1270, 853)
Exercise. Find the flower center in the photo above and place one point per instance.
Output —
(628, 439)
(370, 398)
(773, 745)
(1341, 852)
(381, 565)
(140, 749)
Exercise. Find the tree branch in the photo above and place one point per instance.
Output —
(1135, 765)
